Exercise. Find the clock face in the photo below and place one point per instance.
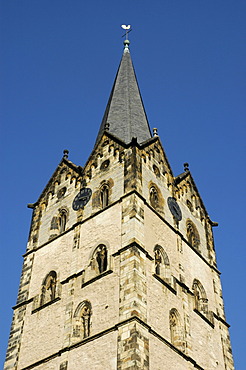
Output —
(174, 208)
(82, 198)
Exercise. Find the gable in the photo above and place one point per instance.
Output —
(65, 169)
(187, 190)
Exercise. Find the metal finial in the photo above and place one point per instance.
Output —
(186, 166)
(65, 153)
(126, 43)
(155, 133)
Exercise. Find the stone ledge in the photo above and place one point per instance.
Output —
(22, 303)
(46, 304)
(72, 277)
(107, 331)
(221, 320)
(184, 286)
(203, 317)
(105, 273)
(167, 285)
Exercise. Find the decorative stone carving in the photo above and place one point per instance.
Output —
(82, 317)
(48, 290)
(158, 261)
(153, 197)
(101, 257)
(176, 330)
(162, 264)
(201, 301)
(105, 164)
(61, 192)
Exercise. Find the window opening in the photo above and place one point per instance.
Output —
(104, 194)
(193, 235)
(154, 199)
(63, 220)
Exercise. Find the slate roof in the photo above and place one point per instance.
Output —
(125, 112)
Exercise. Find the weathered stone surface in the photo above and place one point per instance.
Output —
(156, 303)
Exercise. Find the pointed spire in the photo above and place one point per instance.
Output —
(125, 115)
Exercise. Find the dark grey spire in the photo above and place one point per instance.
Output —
(125, 116)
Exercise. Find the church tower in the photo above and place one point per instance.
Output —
(120, 268)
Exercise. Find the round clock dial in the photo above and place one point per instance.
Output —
(174, 208)
(82, 198)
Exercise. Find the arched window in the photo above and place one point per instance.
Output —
(153, 196)
(62, 220)
(104, 195)
(98, 264)
(158, 261)
(156, 170)
(200, 297)
(54, 223)
(192, 234)
(82, 320)
(162, 264)
(58, 223)
(48, 290)
(189, 205)
(176, 330)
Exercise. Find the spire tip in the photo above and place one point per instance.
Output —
(186, 167)
(65, 153)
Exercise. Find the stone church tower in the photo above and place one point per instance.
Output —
(120, 269)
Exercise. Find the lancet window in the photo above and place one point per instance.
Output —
(62, 220)
(54, 223)
(176, 330)
(59, 222)
(153, 196)
(98, 264)
(82, 320)
(200, 297)
(192, 234)
(49, 288)
(189, 205)
(162, 264)
(104, 195)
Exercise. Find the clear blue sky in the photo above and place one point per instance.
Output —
(58, 61)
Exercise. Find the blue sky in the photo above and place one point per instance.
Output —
(58, 62)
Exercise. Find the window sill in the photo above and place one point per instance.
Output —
(96, 278)
(203, 317)
(167, 285)
(46, 304)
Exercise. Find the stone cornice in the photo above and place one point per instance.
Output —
(22, 303)
(105, 273)
(46, 304)
(131, 245)
(162, 281)
(203, 317)
(109, 330)
(221, 320)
